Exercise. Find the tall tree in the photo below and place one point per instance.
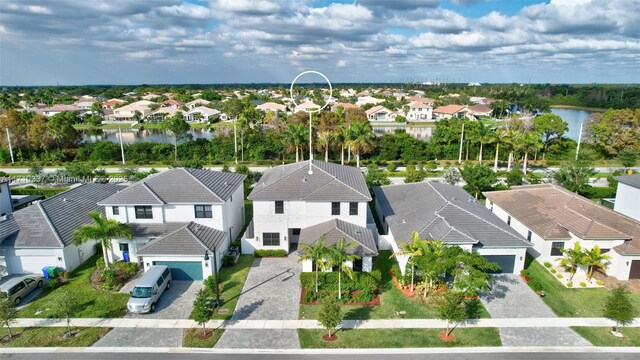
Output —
(499, 138)
(482, 134)
(361, 139)
(327, 122)
(512, 140)
(337, 256)
(61, 131)
(478, 177)
(551, 127)
(530, 143)
(179, 128)
(619, 307)
(296, 135)
(343, 136)
(102, 230)
(316, 254)
(499, 108)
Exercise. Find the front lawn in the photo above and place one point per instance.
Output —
(92, 303)
(393, 304)
(52, 337)
(601, 336)
(191, 338)
(398, 338)
(576, 302)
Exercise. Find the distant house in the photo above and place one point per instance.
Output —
(162, 113)
(84, 104)
(112, 103)
(553, 218)
(128, 112)
(172, 103)
(419, 111)
(363, 100)
(477, 111)
(380, 113)
(198, 102)
(423, 100)
(57, 109)
(449, 111)
(628, 196)
(345, 106)
(307, 105)
(446, 213)
(201, 114)
(150, 96)
(271, 106)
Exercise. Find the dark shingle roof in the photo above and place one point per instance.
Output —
(443, 212)
(152, 230)
(51, 222)
(329, 182)
(631, 180)
(8, 226)
(179, 186)
(337, 229)
(191, 239)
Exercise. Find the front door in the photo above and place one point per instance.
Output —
(294, 237)
(634, 272)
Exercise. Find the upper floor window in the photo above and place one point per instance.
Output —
(508, 219)
(279, 207)
(115, 210)
(203, 211)
(353, 208)
(144, 212)
(556, 248)
(335, 208)
(529, 235)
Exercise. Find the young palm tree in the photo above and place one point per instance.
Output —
(499, 137)
(512, 139)
(102, 230)
(572, 258)
(482, 134)
(337, 256)
(595, 259)
(316, 254)
(361, 139)
(296, 135)
(413, 250)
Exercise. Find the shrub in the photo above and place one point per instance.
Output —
(570, 284)
(100, 263)
(328, 281)
(535, 284)
(228, 261)
(525, 274)
(391, 167)
(559, 276)
(210, 283)
(53, 284)
(514, 177)
(583, 284)
(270, 253)
(553, 271)
(547, 264)
(108, 279)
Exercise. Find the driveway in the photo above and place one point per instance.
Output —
(510, 297)
(175, 303)
(271, 292)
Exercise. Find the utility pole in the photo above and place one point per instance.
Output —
(121, 145)
(579, 140)
(310, 147)
(235, 140)
(10, 148)
(461, 141)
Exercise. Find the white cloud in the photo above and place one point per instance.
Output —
(342, 63)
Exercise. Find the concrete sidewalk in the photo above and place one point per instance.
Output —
(313, 324)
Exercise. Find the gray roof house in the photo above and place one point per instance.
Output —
(336, 229)
(42, 234)
(449, 214)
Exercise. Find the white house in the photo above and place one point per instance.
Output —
(553, 218)
(449, 214)
(366, 99)
(380, 113)
(41, 234)
(177, 217)
(628, 195)
(419, 111)
(292, 205)
(201, 114)
(128, 112)
(449, 111)
(271, 106)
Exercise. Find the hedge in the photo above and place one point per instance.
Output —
(328, 281)
(269, 253)
(599, 192)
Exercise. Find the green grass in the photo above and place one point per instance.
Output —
(191, 338)
(601, 336)
(392, 301)
(231, 282)
(576, 302)
(92, 303)
(399, 338)
(52, 337)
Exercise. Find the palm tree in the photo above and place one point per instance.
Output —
(499, 137)
(102, 230)
(361, 139)
(316, 254)
(572, 258)
(413, 249)
(595, 259)
(512, 139)
(337, 256)
(530, 142)
(296, 135)
(343, 136)
(325, 138)
(483, 135)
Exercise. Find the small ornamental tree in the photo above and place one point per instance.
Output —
(330, 314)
(451, 307)
(619, 307)
(66, 307)
(203, 308)
(7, 312)
(451, 176)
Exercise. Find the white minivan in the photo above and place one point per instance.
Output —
(148, 289)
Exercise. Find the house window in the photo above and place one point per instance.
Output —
(556, 248)
(509, 220)
(353, 208)
(529, 235)
(279, 207)
(143, 212)
(123, 247)
(357, 264)
(335, 208)
(270, 239)
(203, 211)
(115, 210)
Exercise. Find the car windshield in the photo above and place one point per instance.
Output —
(141, 292)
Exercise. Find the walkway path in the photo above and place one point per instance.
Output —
(511, 298)
(271, 295)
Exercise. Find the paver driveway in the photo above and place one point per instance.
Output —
(510, 297)
(271, 292)
(175, 303)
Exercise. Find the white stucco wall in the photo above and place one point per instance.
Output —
(367, 265)
(32, 260)
(76, 255)
(234, 213)
(627, 198)
(620, 266)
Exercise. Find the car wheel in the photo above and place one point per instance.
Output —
(17, 300)
(153, 307)
(39, 285)
(169, 285)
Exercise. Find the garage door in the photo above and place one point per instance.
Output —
(183, 270)
(506, 262)
(634, 273)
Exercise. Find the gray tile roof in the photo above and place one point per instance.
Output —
(179, 186)
(329, 182)
(155, 230)
(191, 239)
(51, 222)
(8, 226)
(442, 212)
(336, 229)
(631, 180)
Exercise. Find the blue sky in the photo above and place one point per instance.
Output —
(44, 42)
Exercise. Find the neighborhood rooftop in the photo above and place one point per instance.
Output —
(194, 185)
(442, 212)
(329, 182)
(631, 180)
(191, 239)
(336, 229)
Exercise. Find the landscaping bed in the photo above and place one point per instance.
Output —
(279, 253)
(52, 337)
(362, 290)
(116, 277)
(398, 338)
(601, 336)
(193, 338)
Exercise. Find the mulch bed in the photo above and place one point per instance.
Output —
(445, 338)
(413, 295)
(6, 339)
(326, 337)
(374, 302)
(94, 279)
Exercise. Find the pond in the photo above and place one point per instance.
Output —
(574, 118)
(130, 136)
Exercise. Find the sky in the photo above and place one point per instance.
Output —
(78, 42)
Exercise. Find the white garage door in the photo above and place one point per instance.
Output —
(29, 264)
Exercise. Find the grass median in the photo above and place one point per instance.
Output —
(601, 336)
(192, 338)
(52, 337)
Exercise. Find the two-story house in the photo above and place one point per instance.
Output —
(380, 113)
(419, 111)
(553, 218)
(181, 218)
(301, 202)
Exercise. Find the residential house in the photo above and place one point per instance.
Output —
(177, 217)
(449, 111)
(380, 113)
(419, 111)
(150, 96)
(344, 106)
(307, 105)
(553, 218)
(128, 112)
(42, 234)
(627, 196)
(477, 111)
(6, 202)
(301, 202)
(57, 109)
(84, 104)
(423, 100)
(271, 106)
(446, 213)
(112, 103)
(196, 103)
(172, 103)
(201, 114)
(363, 100)
(159, 114)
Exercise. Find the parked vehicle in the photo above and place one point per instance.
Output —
(148, 289)
(20, 286)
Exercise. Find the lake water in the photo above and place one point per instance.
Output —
(573, 117)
